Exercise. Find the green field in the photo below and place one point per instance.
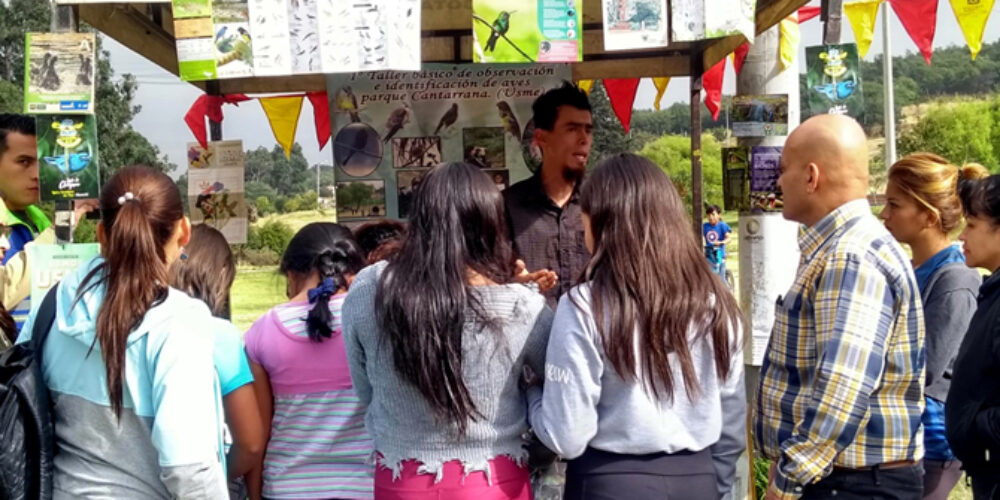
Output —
(256, 290)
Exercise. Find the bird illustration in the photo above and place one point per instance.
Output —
(509, 120)
(347, 103)
(448, 119)
(500, 27)
(244, 34)
(397, 119)
(358, 145)
(77, 162)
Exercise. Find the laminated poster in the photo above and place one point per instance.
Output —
(736, 178)
(635, 24)
(68, 163)
(390, 128)
(690, 21)
(833, 80)
(216, 193)
(765, 168)
(759, 115)
(59, 73)
(50, 263)
(519, 31)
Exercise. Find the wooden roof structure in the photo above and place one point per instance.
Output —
(446, 32)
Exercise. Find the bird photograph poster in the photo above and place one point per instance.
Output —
(635, 24)
(216, 193)
(833, 80)
(390, 127)
(67, 157)
(525, 31)
(60, 73)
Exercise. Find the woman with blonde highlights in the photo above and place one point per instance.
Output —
(923, 210)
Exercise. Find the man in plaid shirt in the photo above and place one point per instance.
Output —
(841, 392)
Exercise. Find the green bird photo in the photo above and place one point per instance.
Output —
(500, 27)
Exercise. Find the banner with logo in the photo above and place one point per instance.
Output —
(833, 80)
(50, 263)
(68, 161)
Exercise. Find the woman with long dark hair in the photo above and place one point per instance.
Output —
(644, 380)
(436, 339)
(128, 360)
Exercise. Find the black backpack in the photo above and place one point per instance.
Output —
(26, 434)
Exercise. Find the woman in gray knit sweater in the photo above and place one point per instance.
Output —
(437, 338)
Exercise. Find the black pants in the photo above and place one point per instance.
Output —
(985, 487)
(903, 483)
(600, 475)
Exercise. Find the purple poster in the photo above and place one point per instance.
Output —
(765, 168)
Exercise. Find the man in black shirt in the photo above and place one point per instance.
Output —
(543, 212)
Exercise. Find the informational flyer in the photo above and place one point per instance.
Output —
(518, 31)
(216, 193)
(635, 24)
(833, 80)
(374, 46)
(736, 178)
(59, 75)
(68, 161)
(390, 127)
(687, 20)
(690, 21)
(272, 54)
(760, 115)
(233, 44)
(765, 168)
(50, 263)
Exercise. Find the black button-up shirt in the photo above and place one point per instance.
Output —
(546, 236)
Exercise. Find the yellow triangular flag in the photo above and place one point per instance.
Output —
(283, 115)
(790, 36)
(661, 87)
(585, 85)
(972, 16)
(862, 14)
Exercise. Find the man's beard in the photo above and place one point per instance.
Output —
(573, 175)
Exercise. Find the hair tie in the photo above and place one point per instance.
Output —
(128, 196)
(326, 288)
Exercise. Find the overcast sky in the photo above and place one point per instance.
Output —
(165, 99)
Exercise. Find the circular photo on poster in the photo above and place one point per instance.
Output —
(357, 150)
(531, 152)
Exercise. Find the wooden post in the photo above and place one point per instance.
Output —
(65, 19)
(214, 127)
(697, 71)
(831, 17)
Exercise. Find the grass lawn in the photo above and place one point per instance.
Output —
(255, 290)
(296, 220)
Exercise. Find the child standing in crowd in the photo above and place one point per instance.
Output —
(437, 338)
(644, 374)
(716, 233)
(205, 271)
(922, 210)
(128, 360)
(972, 411)
(318, 446)
(380, 239)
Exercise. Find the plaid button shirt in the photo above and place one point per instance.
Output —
(842, 381)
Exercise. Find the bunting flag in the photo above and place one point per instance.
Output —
(661, 87)
(862, 14)
(321, 115)
(208, 106)
(621, 93)
(919, 17)
(788, 48)
(585, 85)
(807, 13)
(283, 115)
(972, 16)
(740, 55)
(712, 83)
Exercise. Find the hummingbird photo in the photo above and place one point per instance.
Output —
(500, 27)
(509, 120)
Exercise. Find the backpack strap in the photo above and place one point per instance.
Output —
(44, 319)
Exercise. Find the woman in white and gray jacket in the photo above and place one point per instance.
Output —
(651, 402)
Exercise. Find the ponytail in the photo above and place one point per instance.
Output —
(972, 172)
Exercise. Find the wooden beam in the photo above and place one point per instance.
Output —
(134, 30)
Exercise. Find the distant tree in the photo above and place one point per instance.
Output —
(962, 132)
(355, 196)
(672, 153)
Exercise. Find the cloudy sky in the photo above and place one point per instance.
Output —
(165, 99)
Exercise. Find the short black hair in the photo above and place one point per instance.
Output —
(546, 107)
(372, 235)
(981, 198)
(713, 209)
(9, 122)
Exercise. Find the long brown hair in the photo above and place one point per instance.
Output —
(207, 270)
(649, 277)
(140, 208)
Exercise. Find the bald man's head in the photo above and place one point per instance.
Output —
(824, 165)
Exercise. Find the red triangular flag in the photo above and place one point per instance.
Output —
(740, 55)
(321, 115)
(621, 93)
(807, 13)
(712, 83)
(208, 106)
(919, 17)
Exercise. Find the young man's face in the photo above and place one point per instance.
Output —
(19, 171)
(567, 145)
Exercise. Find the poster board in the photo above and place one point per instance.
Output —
(690, 19)
(216, 193)
(68, 159)
(765, 168)
(50, 263)
(635, 24)
(833, 80)
(390, 127)
(759, 115)
(59, 73)
(519, 31)
(736, 179)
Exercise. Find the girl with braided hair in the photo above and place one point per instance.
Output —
(318, 445)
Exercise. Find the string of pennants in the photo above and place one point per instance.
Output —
(918, 17)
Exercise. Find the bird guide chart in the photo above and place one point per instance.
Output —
(244, 38)
(59, 73)
(390, 128)
(68, 166)
(524, 31)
